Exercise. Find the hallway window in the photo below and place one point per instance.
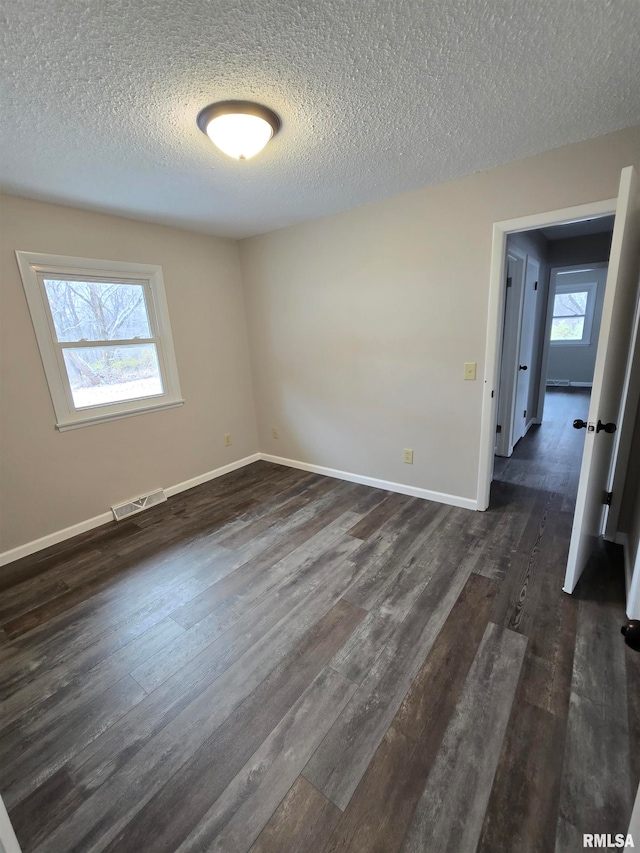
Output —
(573, 309)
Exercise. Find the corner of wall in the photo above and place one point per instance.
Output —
(243, 289)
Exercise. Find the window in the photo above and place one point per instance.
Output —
(104, 337)
(573, 306)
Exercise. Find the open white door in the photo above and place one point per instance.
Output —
(510, 343)
(522, 417)
(607, 396)
(624, 435)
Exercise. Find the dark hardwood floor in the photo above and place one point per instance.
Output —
(279, 662)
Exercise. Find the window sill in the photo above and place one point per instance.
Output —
(77, 422)
(570, 343)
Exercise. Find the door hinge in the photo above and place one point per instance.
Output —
(524, 414)
(509, 281)
(535, 286)
(498, 428)
(608, 497)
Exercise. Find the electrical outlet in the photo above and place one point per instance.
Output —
(408, 456)
(470, 369)
(227, 439)
(274, 433)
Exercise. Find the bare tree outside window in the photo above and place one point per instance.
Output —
(87, 312)
(569, 312)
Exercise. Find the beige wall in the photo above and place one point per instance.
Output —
(360, 323)
(51, 480)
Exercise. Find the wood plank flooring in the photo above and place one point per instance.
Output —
(279, 662)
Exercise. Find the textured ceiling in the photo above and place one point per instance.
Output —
(99, 99)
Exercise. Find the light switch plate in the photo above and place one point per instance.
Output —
(470, 369)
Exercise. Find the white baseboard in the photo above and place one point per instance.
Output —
(105, 517)
(54, 538)
(212, 475)
(401, 488)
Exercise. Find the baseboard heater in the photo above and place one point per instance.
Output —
(136, 505)
(567, 383)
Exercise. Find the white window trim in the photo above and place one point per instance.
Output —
(592, 288)
(33, 267)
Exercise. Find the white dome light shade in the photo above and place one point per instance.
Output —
(239, 128)
(239, 136)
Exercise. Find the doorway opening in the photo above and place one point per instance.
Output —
(555, 279)
(496, 317)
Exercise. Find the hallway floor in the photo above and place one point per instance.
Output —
(548, 459)
(550, 454)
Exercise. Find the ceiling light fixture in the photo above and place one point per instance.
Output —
(239, 128)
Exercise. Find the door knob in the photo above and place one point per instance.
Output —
(606, 427)
(579, 424)
(522, 367)
(631, 633)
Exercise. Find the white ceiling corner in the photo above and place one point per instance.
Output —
(99, 100)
